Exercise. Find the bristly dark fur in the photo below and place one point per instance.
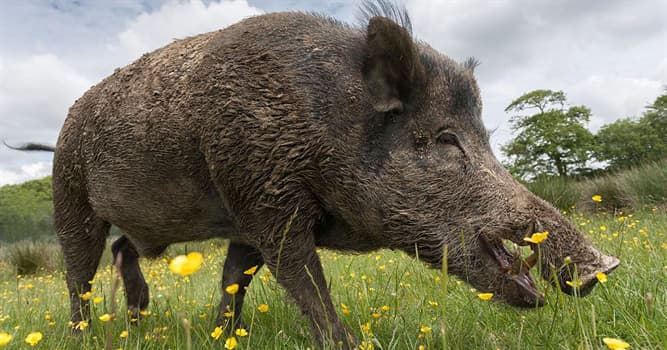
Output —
(471, 63)
(384, 8)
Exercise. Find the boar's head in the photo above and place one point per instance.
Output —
(430, 179)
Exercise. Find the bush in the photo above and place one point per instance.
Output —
(28, 257)
(636, 188)
(562, 192)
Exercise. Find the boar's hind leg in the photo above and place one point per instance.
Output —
(298, 269)
(82, 237)
(136, 289)
(240, 257)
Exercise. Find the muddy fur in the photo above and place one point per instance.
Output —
(354, 138)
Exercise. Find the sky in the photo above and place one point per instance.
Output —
(610, 56)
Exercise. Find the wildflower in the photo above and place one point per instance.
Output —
(385, 308)
(217, 332)
(425, 329)
(185, 265)
(232, 288)
(537, 237)
(230, 343)
(345, 309)
(123, 334)
(366, 328)
(34, 338)
(5, 338)
(366, 345)
(241, 332)
(251, 271)
(86, 296)
(485, 296)
(81, 325)
(97, 300)
(376, 315)
(597, 198)
(263, 308)
(601, 276)
(574, 284)
(614, 343)
(105, 318)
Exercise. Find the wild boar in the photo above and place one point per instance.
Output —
(289, 131)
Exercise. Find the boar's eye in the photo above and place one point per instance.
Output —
(447, 138)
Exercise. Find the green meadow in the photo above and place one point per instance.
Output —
(389, 301)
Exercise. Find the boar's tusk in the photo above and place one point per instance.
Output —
(530, 261)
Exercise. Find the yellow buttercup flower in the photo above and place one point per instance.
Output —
(123, 334)
(86, 296)
(241, 332)
(230, 343)
(485, 296)
(425, 329)
(232, 288)
(537, 237)
(614, 343)
(185, 265)
(344, 309)
(97, 300)
(251, 271)
(597, 198)
(105, 318)
(217, 332)
(5, 338)
(34, 338)
(263, 308)
(366, 345)
(81, 325)
(574, 284)
(601, 276)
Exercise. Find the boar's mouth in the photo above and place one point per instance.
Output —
(517, 287)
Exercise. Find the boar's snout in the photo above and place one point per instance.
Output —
(566, 258)
(582, 276)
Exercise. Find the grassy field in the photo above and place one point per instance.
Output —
(391, 302)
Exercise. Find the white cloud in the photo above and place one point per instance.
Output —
(24, 173)
(36, 91)
(178, 19)
(613, 97)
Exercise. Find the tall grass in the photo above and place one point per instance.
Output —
(28, 257)
(636, 188)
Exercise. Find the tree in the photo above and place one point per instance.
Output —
(26, 210)
(627, 142)
(553, 141)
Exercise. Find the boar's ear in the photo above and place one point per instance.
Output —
(391, 66)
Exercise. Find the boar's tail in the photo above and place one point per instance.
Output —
(32, 147)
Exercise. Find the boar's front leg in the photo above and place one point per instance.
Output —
(240, 257)
(297, 268)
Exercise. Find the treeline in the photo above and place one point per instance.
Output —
(26, 210)
(551, 139)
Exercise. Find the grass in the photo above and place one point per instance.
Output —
(391, 301)
(28, 257)
(639, 187)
